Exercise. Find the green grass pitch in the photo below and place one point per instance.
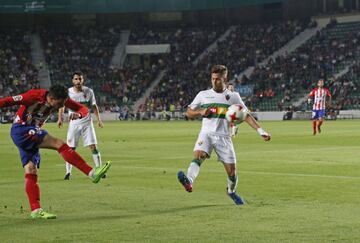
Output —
(298, 188)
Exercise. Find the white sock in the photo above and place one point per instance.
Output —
(193, 172)
(68, 168)
(232, 183)
(97, 159)
(36, 210)
(91, 173)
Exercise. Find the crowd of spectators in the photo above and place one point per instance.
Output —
(17, 72)
(345, 89)
(186, 45)
(88, 49)
(244, 47)
(320, 57)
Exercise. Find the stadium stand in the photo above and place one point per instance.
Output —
(17, 72)
(244, 47)
(293, 75)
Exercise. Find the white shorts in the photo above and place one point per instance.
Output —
(222, 145)
(86, 130)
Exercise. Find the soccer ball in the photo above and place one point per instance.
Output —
(236, 114)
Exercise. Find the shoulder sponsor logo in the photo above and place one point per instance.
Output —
(17, 97)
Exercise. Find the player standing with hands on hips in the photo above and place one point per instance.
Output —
(82, 127)
(212, 105)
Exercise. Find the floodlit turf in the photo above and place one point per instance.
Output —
(298, 188)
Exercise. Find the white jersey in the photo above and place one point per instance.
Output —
(216, 123)
(85, 97)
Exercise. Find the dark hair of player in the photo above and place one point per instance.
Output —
(79, 73)
(58, 92)
(221, 69)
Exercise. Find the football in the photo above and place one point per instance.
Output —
(236, 113)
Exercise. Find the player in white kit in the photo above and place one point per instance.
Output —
(82, 127)
(212, 105)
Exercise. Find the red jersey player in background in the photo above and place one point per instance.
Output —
(36, 106)
(318, 112)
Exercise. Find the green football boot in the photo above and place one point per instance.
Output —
(100, 172)
(41, 214)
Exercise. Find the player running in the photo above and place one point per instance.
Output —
(36, 106)
(82, 127)
(318, 113)
(212, 105)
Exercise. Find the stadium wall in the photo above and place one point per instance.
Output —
(261, 116)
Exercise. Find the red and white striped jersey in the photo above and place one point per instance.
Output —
(319, 95)
(34, 109)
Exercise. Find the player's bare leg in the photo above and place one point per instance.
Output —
(320, 122)
(193, 170)
(74, 158)
(33, 193)
(314, 127)
(232, 183)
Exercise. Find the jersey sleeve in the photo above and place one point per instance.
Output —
(196, 103)
(328, 93)
(27, 98)
(76, 107)
(92, 98)
(238, 100)
(312, 93)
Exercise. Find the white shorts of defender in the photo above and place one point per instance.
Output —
(223, 147)
(85, 130)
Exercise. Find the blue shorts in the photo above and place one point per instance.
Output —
(27, 140)
(316, 114)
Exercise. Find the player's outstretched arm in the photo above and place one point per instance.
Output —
(254, 124)
(60, 117)
(97, 114)
(190, 113)
(20, 99)
(80, 110)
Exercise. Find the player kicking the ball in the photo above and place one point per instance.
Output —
(82, 127)
(318, 113)
(212, 105)
(36, 106)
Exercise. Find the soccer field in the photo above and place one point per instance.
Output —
(298, 188)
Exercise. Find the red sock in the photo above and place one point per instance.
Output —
(32, 190)
(314, 125)
(320, 123)
(74, 158)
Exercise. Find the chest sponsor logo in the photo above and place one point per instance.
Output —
(227, 97)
